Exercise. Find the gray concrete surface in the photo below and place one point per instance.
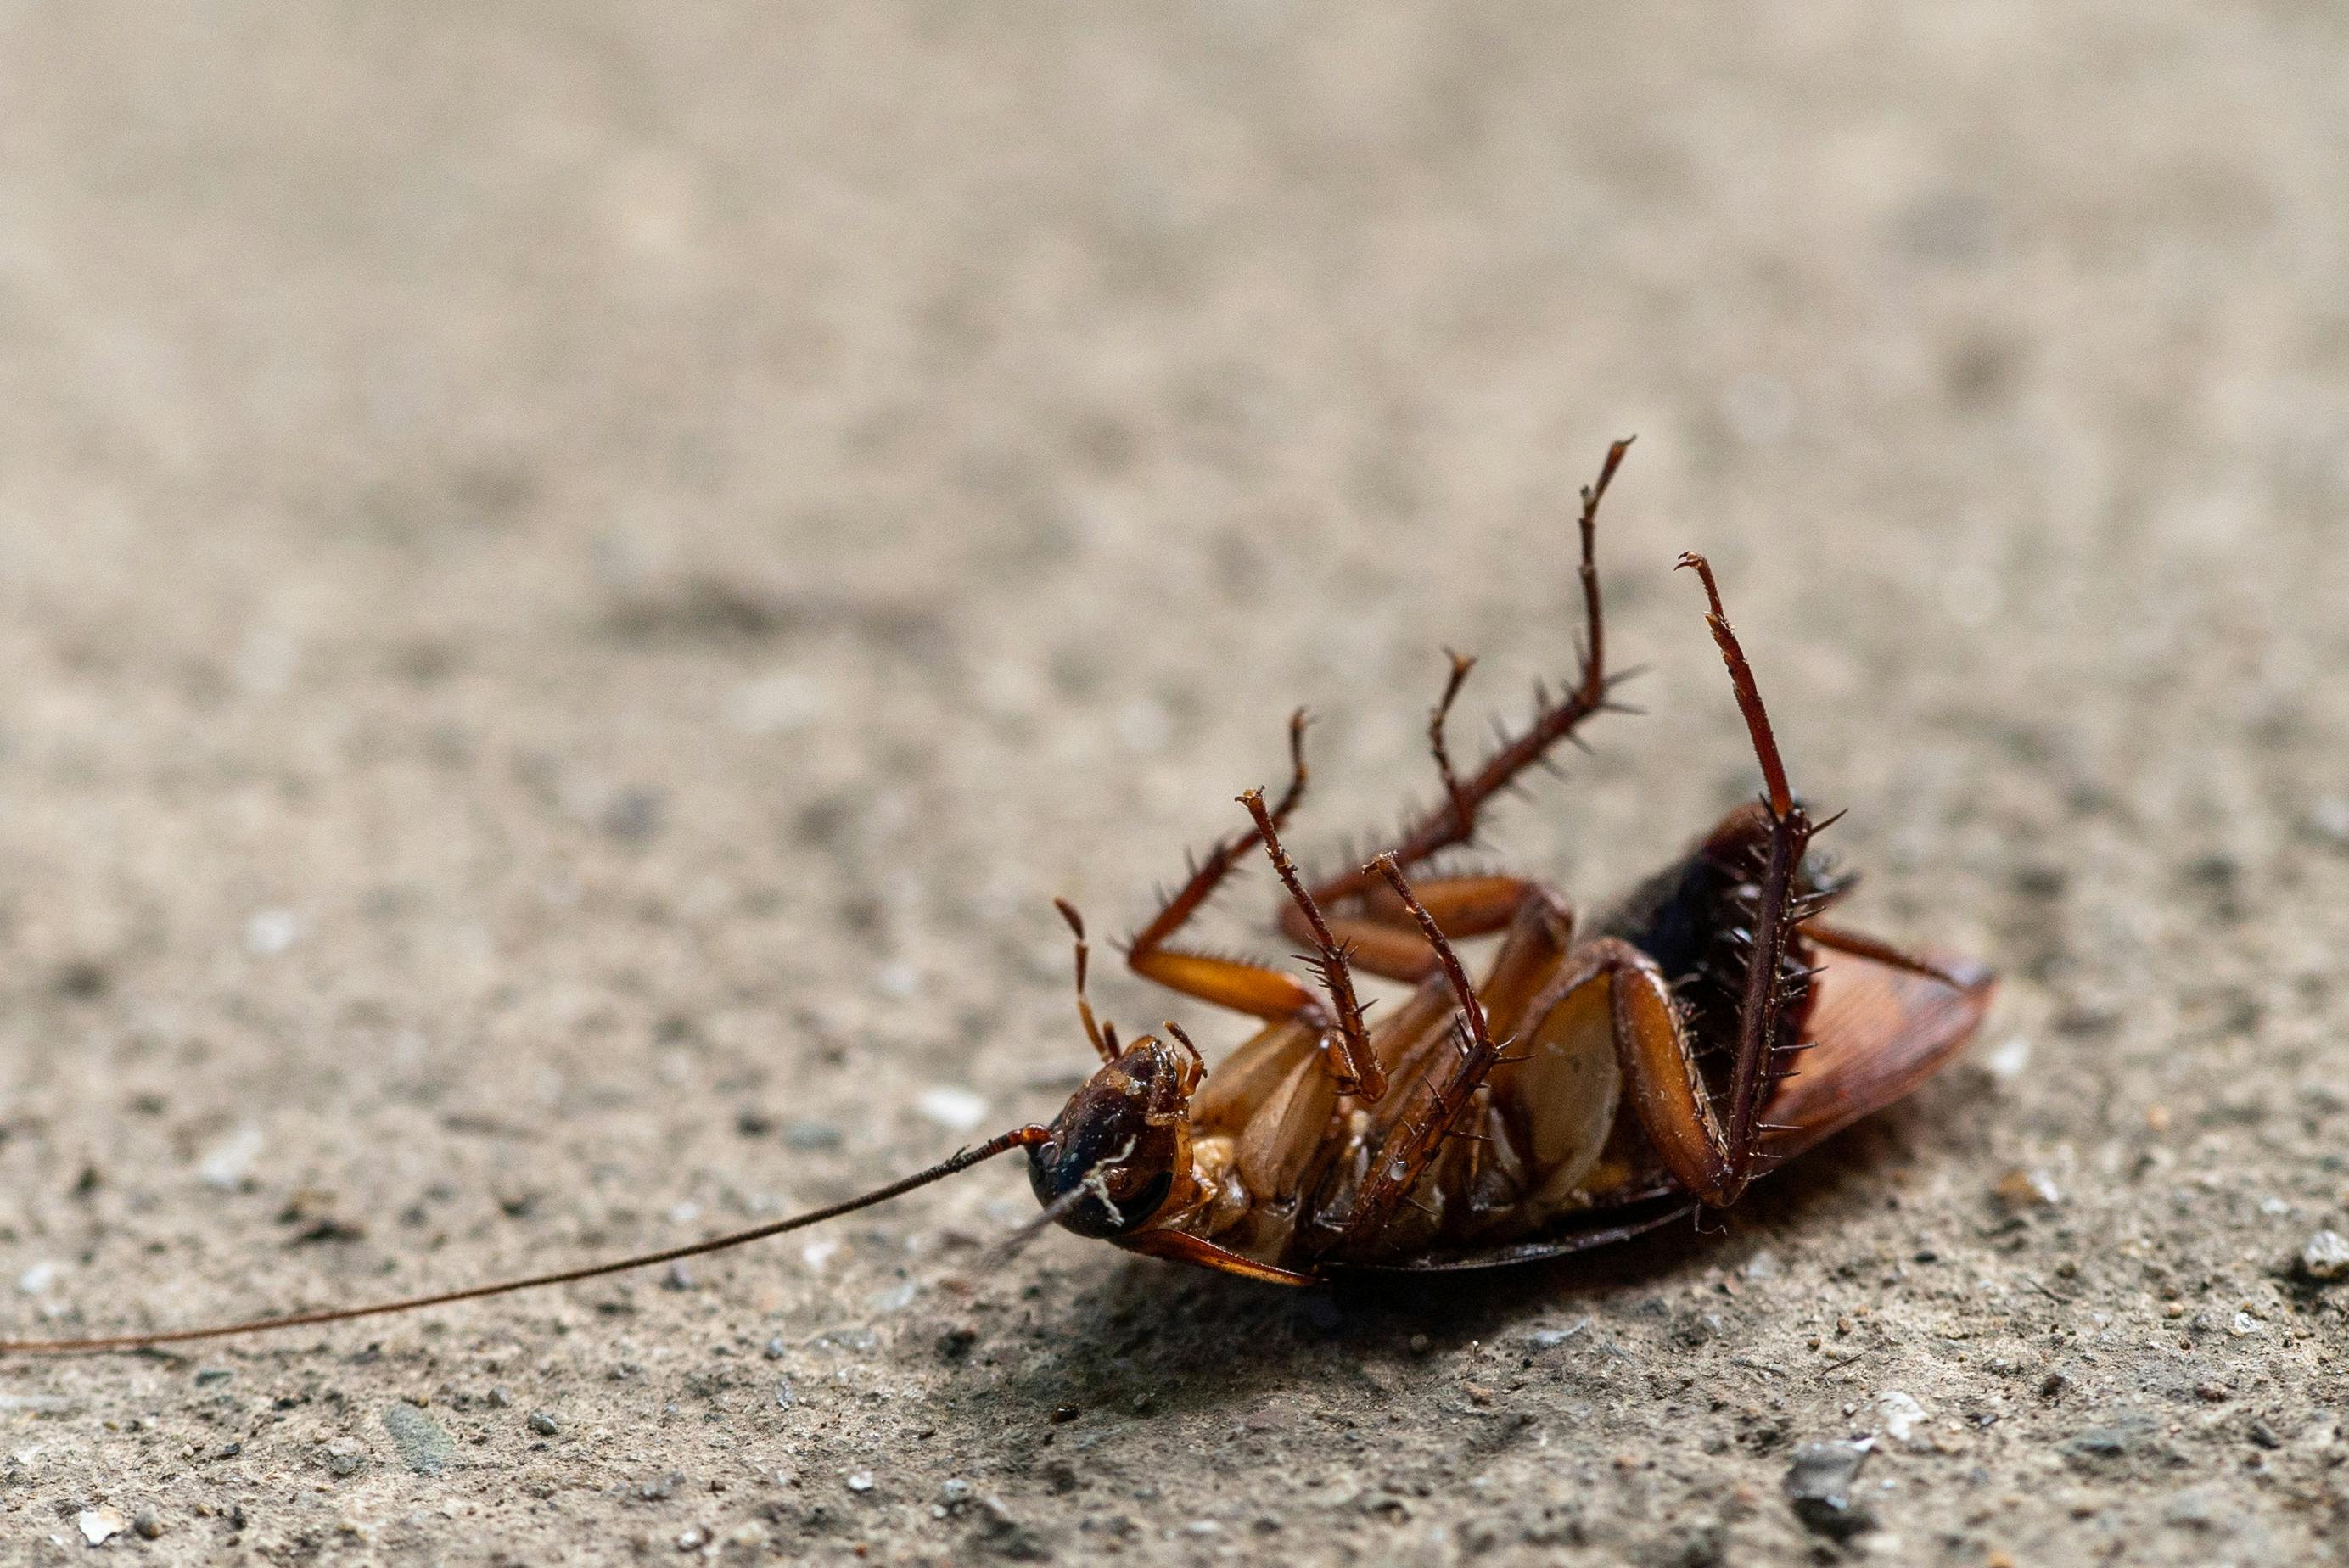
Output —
(574, 577)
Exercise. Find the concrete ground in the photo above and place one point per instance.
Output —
(574, 577)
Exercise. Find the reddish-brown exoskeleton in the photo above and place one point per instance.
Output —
(1709, 1027)
(1712, 1026)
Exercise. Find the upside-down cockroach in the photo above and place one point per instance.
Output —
(1709, 1027)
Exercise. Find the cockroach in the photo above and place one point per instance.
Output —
(1706, 1030)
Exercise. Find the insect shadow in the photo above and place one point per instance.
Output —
(1138, 1339)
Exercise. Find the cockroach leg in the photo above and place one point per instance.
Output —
(1464, 814)
(1228, 981)
(1763, 1056)
(1358, 1071)
(1852, 941)
(1104, 1039)
(1443, 1095)
(1196, 1067)
(1661, 1076)
(1539, 936)
(1384, 939)
(1453, 820)
(1464, 993)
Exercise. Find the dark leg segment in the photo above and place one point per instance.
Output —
(1453, 821)
(1764, 1055)
(1226, 982)
(1441, 1096)
(1358, 1070)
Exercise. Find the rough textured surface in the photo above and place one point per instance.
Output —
(571, 579)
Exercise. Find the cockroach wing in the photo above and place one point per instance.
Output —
(1877, 1032)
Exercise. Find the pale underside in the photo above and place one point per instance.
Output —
(1551, 1133)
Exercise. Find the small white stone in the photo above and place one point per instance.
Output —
(860, 1481)
(1548, 1338)
(1901, 1416)
(2244, 1324)
(2007, 1062)
(227, 1164)
(99, 1525)
(38, 1278)
(270, 932)
(817, 1254)
(2326, 1257)
(1762, 1265)
(956, 1109)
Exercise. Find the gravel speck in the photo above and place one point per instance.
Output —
(99, 1525)
(1901, 1416)
(1819, 1484)
(2007, 1062)
(954, 1109)
(2020, 1189)
(543, 1424)
(270, 932)
(2326, 1257)
(225, 1165)
(424, 1445)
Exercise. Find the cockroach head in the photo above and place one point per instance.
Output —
(1121, 1145)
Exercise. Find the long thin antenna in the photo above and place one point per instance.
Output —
(1018, 1138)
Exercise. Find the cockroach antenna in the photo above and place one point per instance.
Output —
(1018, 1138)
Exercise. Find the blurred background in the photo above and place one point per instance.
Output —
(573, 578)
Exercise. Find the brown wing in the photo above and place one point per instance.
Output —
(1878, 1031)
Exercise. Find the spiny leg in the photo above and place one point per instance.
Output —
(1356, 1070)
(1463, 812)
(1440, 1096)
(1763, 1056)
(1381, 937)
(1226, 982)
(1453, 820)
(1102, 1035)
